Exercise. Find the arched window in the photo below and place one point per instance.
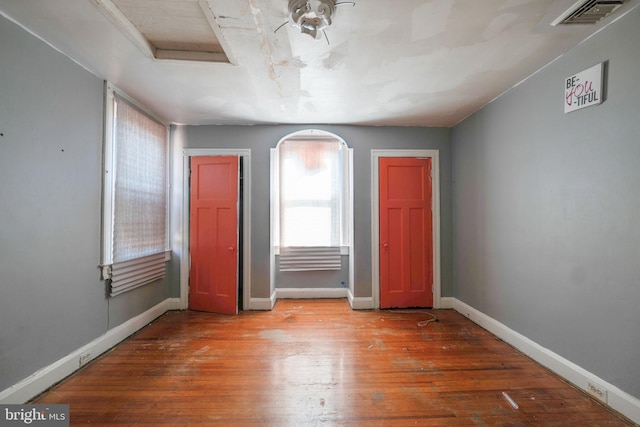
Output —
(311, 177)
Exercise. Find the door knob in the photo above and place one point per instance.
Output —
(230, 248)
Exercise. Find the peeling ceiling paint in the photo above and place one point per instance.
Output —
(409, 63)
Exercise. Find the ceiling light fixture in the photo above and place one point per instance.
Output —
(313, 16)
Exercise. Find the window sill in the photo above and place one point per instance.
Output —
(344, 250)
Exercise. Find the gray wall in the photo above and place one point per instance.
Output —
(260, 139)
(545, 207)
(51, 298)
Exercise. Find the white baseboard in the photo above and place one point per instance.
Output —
(303, 293)
(366, 303)
(616, 398)
(356, 303)
(360, 303)
(262, 304)
(446, 303)
(174, 304)
(46, 377)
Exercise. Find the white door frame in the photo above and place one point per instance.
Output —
(185, 259)
(375, 217)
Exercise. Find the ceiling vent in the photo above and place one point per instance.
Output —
(588, 12)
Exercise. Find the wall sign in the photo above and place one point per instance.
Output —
(583, 89)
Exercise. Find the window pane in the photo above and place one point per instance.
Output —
(305, 225)
(310, 188)
(300, 183)
(139, 218)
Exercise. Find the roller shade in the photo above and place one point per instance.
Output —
(137, 272)
(310, 258)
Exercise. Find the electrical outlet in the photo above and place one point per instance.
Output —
(597, 391)
(84, 359)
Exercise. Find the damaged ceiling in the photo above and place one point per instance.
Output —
(404, 63)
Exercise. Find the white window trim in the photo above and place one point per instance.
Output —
(346, 247)
(108, 177)
(346, 220)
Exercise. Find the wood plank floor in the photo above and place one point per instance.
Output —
(317, 362)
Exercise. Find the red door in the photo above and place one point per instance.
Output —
(406, 243)
(213, 277)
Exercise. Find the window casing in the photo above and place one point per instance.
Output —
(135, 195)
(311, 200)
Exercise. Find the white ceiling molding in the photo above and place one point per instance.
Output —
(118, 18)
(205, 5)
(156, 29)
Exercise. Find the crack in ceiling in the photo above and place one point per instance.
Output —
(409, 63)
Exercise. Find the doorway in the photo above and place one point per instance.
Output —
(376, 155)
(244, 301)
(406, 242)
(214, 232)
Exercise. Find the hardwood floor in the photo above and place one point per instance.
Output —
(317, 362)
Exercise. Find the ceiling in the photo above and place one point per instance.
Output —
(391, 63)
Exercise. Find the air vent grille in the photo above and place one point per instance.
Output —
(589, 12)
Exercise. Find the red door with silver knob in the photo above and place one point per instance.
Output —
(406, 235)
(213, 276)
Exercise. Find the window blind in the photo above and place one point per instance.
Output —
(137, 272)
(310, 258)
(139, 198)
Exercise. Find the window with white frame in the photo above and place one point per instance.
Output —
(135, 195)
(312, 190)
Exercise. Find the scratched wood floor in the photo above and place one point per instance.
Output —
(318, 363)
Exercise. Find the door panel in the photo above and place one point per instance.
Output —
(213, 278)
(417, 250)
(393, 250)
(406, 235)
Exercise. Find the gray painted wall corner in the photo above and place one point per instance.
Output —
(545, 239)
(52, 300)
